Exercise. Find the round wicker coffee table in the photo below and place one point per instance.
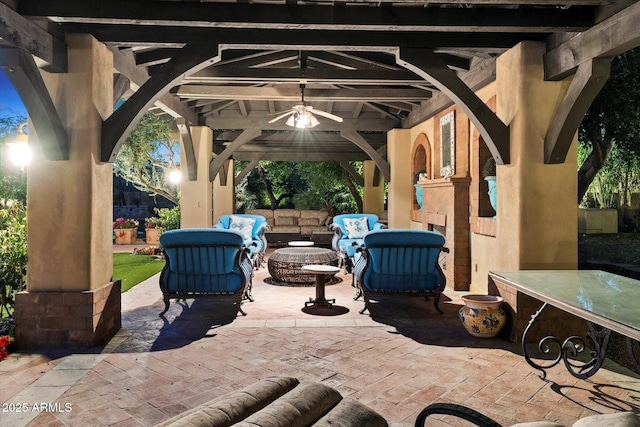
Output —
(285, 265)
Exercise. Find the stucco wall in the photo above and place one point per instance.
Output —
(537, 211)
(70, 205)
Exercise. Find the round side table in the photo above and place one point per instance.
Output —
(321, 272)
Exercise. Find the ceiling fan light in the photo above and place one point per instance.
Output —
(313, 121)
(291, 121)
(303, 121)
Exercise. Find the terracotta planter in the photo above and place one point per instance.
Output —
(125, 236)
(482, 316)
(153, 236)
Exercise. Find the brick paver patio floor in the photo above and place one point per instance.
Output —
(398, 360)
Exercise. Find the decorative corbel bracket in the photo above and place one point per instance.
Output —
(589, 79)
(432, 68)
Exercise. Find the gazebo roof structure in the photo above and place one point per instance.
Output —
(234, 66)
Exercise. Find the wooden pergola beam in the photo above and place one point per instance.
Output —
(187, 145)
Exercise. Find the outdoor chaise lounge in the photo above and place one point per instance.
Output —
(252, 228)
(280, 401)
(400, 262)
(205, 262)
(349, 229)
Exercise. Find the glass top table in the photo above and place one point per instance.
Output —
(604, 298)
(601, 298)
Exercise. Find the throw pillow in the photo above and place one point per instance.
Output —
(243, 225)
(356, 228)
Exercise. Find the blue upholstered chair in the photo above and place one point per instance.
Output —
(205, 262)
(253, 228)
(400, 262)
(349, 229)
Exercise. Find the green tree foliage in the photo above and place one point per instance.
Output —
(302, 185)
(168, 218)
(330, 188)
(615, 182)
(148, 156)
(613, 120)
(13, 254)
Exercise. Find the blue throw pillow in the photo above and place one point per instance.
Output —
(356, 228)
(243, 225)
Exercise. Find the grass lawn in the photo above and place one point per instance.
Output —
(133, 269)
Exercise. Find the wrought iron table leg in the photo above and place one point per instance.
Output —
(570, 347)
(632, 353)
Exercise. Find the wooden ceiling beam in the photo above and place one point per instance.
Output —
(328, 39)
(237, 74)
(17, 31)
(279, 93)
(607, 39)
(313, 16)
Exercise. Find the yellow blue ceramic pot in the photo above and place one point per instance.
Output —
(482, 316)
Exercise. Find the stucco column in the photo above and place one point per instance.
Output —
(400, 188)
(70, 299)
(224, 195)
(537, 210)
(373, 192)
(196, 205)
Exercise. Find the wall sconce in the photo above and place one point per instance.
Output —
(19, 150)
(175, 176)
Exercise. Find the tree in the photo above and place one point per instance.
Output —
(147, 157)
(303, 185)
(612, 120)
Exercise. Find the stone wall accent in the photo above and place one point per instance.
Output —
(68, 318)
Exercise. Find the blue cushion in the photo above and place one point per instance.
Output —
(347, 245)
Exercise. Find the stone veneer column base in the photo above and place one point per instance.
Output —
(68, 318)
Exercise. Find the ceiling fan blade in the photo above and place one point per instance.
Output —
(327, 115)
(281, 116)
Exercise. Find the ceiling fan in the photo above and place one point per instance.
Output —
(302, 115)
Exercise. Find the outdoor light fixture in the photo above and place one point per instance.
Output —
(302, 120)
(175, 176)
(301, 117)
(19, 150)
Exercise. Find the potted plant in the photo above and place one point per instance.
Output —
(489, 175)
(126, 231)
(152, 229)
